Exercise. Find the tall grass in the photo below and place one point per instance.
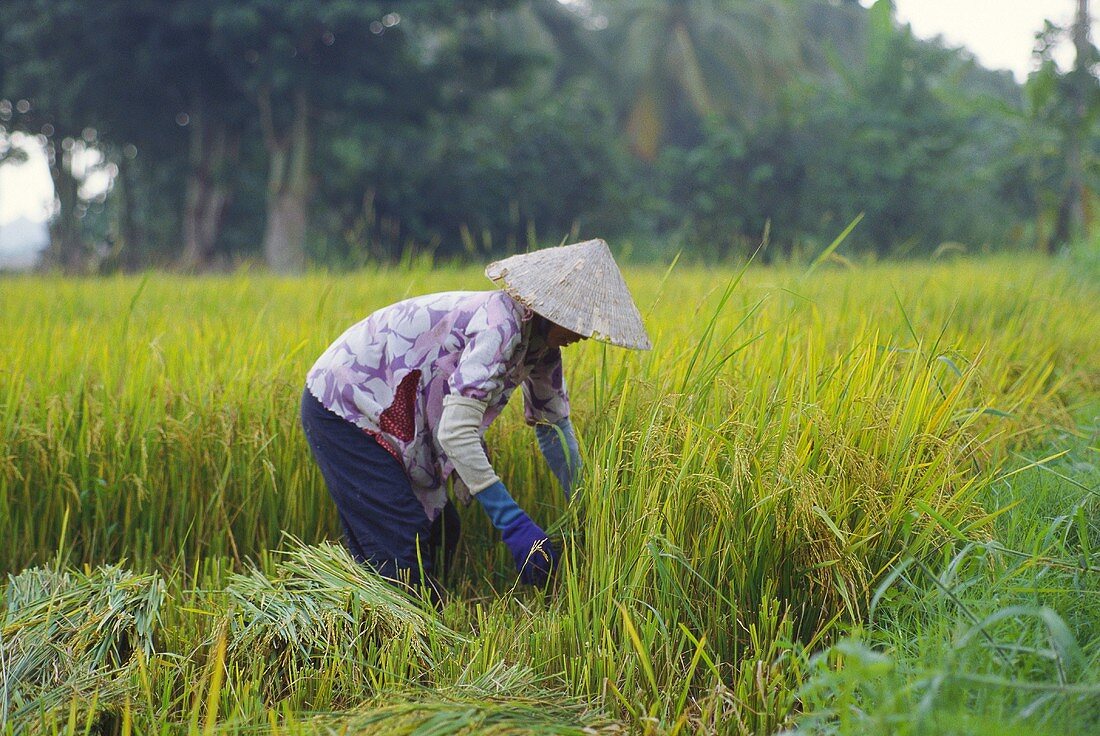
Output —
(1007, 629)
(791, 442)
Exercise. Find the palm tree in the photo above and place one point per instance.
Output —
(566, 37)
(1081, 93)
(680, 61)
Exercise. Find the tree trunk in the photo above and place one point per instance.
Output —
(288, 187)
(213, 151)
(130, 232)
(1071, 212)
(67, 247)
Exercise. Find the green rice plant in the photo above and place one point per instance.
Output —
(162, 436)
(994, 637)
(1018, 670)
(794, 441)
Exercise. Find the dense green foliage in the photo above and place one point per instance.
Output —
(353, 131)
(798, 511)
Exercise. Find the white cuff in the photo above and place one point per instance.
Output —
(459, 434)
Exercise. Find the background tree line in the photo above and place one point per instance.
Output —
(340, 132)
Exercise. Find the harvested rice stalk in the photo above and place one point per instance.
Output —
(322, 610)
(452, 715)
(71, 636)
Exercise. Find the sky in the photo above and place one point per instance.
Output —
(1000, 33)
(25, 189)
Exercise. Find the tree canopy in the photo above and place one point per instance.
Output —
(338, 132)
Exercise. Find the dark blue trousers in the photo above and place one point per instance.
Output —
(384, 524)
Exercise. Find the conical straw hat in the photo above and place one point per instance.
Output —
(578, 287)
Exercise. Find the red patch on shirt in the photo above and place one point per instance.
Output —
(398, 419)
(386, 446)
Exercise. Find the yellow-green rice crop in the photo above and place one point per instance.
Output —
(747, 483)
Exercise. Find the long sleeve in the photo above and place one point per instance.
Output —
(545, 398)
(558, 443)
(494, 334)
(459, 435)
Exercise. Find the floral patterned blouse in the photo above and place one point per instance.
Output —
(388, 375)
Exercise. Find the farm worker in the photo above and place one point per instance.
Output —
(402, 400)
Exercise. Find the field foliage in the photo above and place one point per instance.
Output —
(844, 500)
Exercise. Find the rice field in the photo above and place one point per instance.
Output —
(836, 500)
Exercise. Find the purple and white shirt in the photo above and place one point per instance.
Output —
(388, 375)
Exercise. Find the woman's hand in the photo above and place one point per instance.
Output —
(535, 558)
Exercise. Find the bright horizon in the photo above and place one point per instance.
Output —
(26, 189)
(1000, 33)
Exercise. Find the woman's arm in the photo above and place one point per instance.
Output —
(546, 406)
(476, 379)
(559, 446)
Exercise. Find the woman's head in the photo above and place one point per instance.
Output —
(554, 334)
(558, 336)
(577, 287)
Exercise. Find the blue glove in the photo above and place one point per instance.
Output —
(565, 466)
(531, 550)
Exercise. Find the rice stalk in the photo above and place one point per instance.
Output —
(319, 609)
(69, 636)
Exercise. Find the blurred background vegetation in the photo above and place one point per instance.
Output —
(338, 133)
